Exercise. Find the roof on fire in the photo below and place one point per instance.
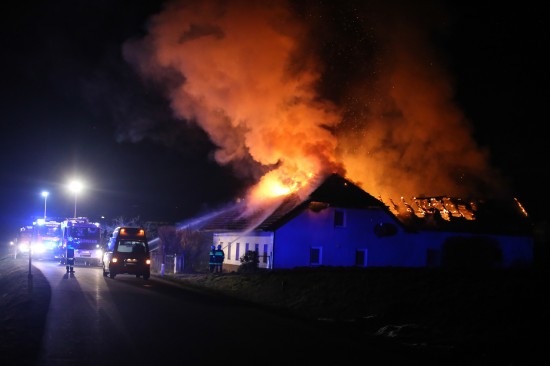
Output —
(428, 213)
(334, 191)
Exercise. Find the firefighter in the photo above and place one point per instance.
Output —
(220, 256)
(69, 259)
(212, 259)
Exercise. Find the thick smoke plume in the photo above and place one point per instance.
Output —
(287, 101)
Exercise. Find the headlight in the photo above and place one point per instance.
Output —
(51, 245)
(38, 248)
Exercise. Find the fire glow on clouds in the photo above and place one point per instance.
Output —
(249, 74)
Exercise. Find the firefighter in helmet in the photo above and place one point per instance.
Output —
(69, 259)
(220, 257)
(212, 259)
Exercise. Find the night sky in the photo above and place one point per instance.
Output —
(86, 94)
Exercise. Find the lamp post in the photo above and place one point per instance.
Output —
(45, 194)
(76, 187)
(30, 251)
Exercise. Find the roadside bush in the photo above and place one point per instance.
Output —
(249, 262)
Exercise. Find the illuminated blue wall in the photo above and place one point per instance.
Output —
(290, 245)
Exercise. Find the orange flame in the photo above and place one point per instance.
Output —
(275, 184)
(250, 79)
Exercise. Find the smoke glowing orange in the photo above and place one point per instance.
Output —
(250, 79)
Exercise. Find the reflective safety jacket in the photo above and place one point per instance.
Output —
(212, 256)
(220, 256)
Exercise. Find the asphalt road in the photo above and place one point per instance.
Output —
(95, 320)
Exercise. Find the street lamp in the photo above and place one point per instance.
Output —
(76, 187)
(45, 194)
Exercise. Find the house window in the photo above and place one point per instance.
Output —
(246, 247)
(265, 254)
(237, 249)
(315, 256)
(257, 249)
(339, 218)
(361, 257)
(229, 251)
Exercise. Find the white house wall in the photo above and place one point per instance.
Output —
(294, 240)
(516, 250)
(230, 241)
(290, 245)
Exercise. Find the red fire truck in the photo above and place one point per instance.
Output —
(46, 239)
(23, 241)
(85, 238)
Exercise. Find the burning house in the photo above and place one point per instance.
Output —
(279, 113)
(339, 224)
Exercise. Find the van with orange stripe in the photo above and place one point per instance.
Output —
(127, 253)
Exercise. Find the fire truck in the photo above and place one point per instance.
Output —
(85, 238)
(46, 239)
(23, 242)
(42, 239)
